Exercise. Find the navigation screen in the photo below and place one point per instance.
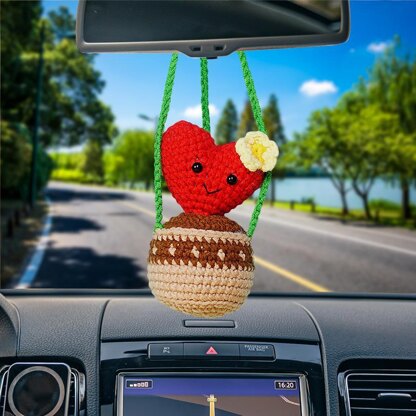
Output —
(211, 396)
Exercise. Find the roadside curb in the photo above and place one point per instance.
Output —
(36, 259)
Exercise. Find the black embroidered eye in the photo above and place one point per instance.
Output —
(232, 179)
(197, 167)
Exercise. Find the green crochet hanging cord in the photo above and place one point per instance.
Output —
(167, 95)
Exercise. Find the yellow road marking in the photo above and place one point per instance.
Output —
(302, 281)
(141, 209)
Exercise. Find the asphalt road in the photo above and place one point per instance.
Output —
(99, 238)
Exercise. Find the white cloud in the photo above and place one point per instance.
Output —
(377, 47)
(313, 88)
(195, 112)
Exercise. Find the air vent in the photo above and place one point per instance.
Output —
(73, 396)
(3, 373)
(76, 393)
(380, 394)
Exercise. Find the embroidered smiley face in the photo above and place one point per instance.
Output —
(204, 178)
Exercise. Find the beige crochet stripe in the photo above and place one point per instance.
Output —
(203, 309)
(205, 298)
(182, 283)
(200, 275)
(181, 234)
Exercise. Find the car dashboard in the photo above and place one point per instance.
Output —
(301, 355)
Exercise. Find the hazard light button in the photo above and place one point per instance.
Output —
(211, 351)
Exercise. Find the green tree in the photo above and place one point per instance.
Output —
(273, 122)
(93, 166)
(275, 131)
(114, 168)
(226, 131)
(402, 164)
(68, 167)
(15, 155)
(76, 111)
(19, 27)
(100, 134)
(368, 142)
(247, 121)
(323, 144)
(62, 23)
(392, 86)
(68, 161)
(135, 149)
(71, 110)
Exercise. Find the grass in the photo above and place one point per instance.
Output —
(15, 249)
(385, 215)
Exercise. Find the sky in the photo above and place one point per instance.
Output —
(303, 79)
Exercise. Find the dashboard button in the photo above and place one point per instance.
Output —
(211, 351)
(165, 351)
(257, 351)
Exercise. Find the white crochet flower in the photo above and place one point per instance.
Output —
(257, 151)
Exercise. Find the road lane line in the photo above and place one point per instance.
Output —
(334, 235)
(388, 235)
(375, 232)
(35, 262)
(302, 281)
(141, 209)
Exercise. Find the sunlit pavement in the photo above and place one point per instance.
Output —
(99, 239)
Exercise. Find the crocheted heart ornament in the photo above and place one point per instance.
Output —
(204, 178)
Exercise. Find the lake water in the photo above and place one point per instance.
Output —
(324, 193)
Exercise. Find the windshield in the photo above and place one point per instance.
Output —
(77, 136)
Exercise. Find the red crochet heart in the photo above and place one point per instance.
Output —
(209, 191)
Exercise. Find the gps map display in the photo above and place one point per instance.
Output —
(211, 396)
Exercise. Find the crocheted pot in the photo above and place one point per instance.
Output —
(201, 265)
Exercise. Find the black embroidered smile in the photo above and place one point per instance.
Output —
(210, 192)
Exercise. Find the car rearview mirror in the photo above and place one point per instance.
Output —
(209, 28)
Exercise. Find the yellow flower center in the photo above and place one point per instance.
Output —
(258, 150)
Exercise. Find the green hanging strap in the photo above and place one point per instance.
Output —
(255, 105)
(167, 95)
(206, 124)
